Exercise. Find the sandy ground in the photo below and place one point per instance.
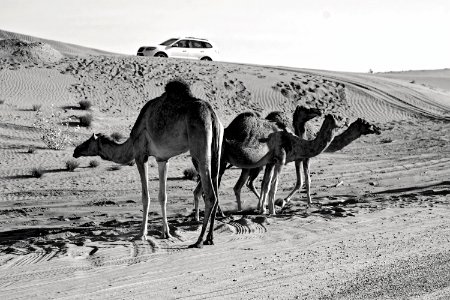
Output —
(379, 228)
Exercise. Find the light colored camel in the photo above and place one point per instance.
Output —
(167, 126)
(354, 131)
(286, 147)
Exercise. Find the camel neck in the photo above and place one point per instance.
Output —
(302, 149)
(343, 139)
(300, 130)
(118, 153)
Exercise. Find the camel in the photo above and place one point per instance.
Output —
(284, 147)
(354, 131)
(167, 126)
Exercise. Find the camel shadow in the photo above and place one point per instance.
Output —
(425, 190)
(28, 176)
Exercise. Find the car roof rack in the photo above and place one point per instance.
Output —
(191, 37)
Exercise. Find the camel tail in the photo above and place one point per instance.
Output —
(216, 151)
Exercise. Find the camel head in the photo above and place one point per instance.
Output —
(87, 148)
(303, 114)
(365, 127)
(280, 118)
(330, 123)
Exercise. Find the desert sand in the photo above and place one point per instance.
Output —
(379, 227)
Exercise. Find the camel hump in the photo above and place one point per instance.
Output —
(178, 89)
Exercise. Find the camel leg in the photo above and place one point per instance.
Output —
(209, 177)
(162, 170)
(210, 238)
(268, 173)
(222, 168)
(197, 195)
(273, 189)
(238, 186)
(307, 180)
(143, 172)
(298, 184)
(250, 183)
(218, 168)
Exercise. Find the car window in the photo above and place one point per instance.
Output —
(206, 45)
(168, 42)
(182, 44)
(196, 44)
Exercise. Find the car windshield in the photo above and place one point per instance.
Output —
(169, 42)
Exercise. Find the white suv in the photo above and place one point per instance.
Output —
(187, 47)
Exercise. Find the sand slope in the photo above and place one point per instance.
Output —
(378, 229)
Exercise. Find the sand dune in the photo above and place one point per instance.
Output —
(377, 229)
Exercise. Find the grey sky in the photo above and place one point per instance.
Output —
(347, 35)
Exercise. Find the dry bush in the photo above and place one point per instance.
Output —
(85, 104)
(36, 107)
(72, 164)
(117, 136)
(37, 172)
(54, 135)
(86, 120)
(31, 149)
(2, 101)
(190, 174)
(115, 168)
(94, 163)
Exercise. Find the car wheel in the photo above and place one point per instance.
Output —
(206, 58)
(160, 54)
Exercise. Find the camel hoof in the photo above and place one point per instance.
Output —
(208, 242)
(198, 245)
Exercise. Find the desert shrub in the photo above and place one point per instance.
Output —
(31, 149)
(72, 164)
(386, 141)
(37, 107)
(115, 168)
(86, 120)
(190, 173)
(54, 135)
(37, 172)
(85, 104)
(94, 163)
(117, 136)
(2, 101)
